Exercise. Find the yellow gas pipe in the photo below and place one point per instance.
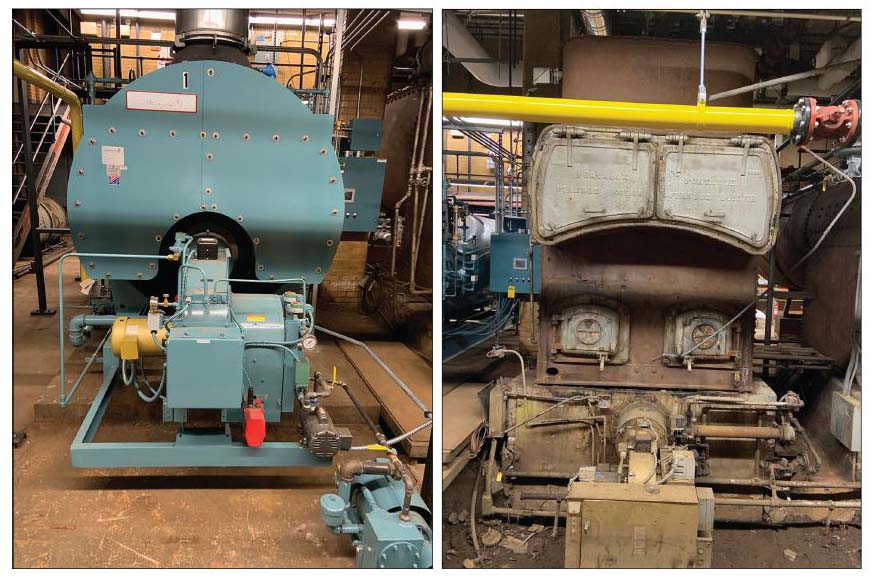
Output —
(33, 77)
(621, 114)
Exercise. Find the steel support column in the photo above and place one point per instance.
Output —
(32, 201)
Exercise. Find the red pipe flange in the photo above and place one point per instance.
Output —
(839, 121)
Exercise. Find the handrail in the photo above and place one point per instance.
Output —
(35, 78)
(38, 149)
(39, 111)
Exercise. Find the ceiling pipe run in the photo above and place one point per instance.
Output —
(594, 22)
(769, 14)
(457, 40)
(847, 67)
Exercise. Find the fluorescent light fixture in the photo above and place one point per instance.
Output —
(480, 186)
(486, 121)
(491, 121)
(290, 21)
(132, 14)
(411, 24)
(167, 15)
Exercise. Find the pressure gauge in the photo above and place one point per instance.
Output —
(309, 342)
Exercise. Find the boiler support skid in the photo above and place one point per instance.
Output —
(239, 354)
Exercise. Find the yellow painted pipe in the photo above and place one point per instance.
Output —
(620, 114)
(77, 126)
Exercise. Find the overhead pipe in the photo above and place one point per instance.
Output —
(594, 22)
(770, 14)
(367, 20)
(804, 123)
(846, 65)
(336, 63)
(364, 28)
(33, 77)
(372, 27)
(457, 40)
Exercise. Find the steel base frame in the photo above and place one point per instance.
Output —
(192, 448)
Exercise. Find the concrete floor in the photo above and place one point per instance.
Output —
(196, 517)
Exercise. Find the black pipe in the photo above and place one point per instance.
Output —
(118, 47)
(359, 407)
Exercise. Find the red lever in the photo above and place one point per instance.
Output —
(254, 425)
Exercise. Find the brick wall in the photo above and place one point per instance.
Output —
(340, 287)
(375, 52)
(376, 82)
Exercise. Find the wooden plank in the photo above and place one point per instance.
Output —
(462, 415)
(452, 470)
(398, 411)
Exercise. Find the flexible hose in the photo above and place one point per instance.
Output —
(472, 529)
(854, 363)
(273, 345)
(144, 378)
(665, 478)
(155, 393)
(398, 439)
(157, 341)
(523, 370)
(128, 379)
(553, 407)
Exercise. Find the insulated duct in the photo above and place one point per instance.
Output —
(457, 40)
(212, 34)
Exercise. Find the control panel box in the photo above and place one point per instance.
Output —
(612, 525)
(364, 179)
(512, 270)
(204, 368)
